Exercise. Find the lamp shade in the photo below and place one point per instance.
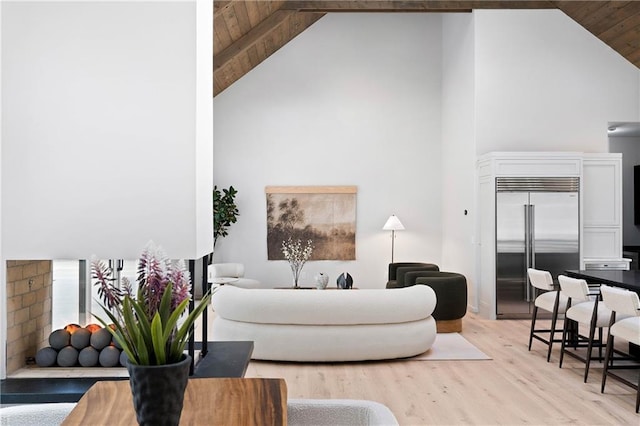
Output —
(393, 224)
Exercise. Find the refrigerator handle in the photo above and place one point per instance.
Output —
(527, 252)
(532, 233)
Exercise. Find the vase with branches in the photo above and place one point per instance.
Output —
(297, 255)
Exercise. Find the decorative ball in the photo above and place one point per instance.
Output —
(109, 357)
(59, 339)
(46, 357)
(123, 358)
(67, 357)
(115, 343)
(88, 357)
(80, 338)
(93, 327)
(71, 328)
(100, 338)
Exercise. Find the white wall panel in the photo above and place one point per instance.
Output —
(101, 151)
(545, 83)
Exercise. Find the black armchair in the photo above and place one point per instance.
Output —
(398, 270)
(451, 295)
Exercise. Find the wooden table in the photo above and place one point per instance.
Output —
(227, 402)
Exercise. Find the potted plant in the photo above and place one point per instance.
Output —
(225, 211)
(148, 329)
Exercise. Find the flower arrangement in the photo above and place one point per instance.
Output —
(297, 255)
(146, 326)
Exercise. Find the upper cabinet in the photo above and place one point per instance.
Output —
(602, 206)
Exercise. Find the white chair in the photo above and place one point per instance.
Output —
(332, 412)
(625, 324)
(583, 308)
(551, 300)
(227, 274)
(49, 414)
(231, 273)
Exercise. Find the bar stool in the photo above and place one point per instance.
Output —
(583, 308)
(625, 324)
(550, 300)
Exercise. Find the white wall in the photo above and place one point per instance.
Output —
(353, 100)
(545, 83)
(458, 148)
(630, 149)
(3, 287)
(103, 146)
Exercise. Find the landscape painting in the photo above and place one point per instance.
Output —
(326, 215)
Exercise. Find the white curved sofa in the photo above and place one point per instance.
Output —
(327, 325)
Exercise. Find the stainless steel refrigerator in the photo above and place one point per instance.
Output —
(537, 226)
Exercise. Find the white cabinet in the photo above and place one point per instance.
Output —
(602, 206)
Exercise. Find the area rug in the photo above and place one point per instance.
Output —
(449, 347)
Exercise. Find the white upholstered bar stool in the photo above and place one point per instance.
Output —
(551, 300)
(624, 324)
(584, 309)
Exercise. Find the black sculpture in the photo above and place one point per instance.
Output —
(345, 281)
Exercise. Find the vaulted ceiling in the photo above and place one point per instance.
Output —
(248, 32)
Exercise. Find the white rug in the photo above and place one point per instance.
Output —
(450, 346)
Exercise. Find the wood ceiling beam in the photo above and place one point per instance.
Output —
(251, 38)
(219, 6)
(409, 5)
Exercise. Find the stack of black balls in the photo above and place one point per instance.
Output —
(90, 346)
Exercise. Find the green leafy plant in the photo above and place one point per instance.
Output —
(147, 326)
(225, 211)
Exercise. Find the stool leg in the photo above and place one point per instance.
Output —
(592, 332)
(554, 319)
(564, 339)
(638, 395)
(607, 357)
(533, 324)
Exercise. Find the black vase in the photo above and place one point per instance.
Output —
(158, 391)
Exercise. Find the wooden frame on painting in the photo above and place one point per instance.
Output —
(326, 215)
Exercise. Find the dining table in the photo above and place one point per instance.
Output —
(628, 279)
(217, 401)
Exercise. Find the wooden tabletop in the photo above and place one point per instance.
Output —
(207, 401)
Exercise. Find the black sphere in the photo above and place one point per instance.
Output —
(109, 357)
(115, 343)
(100, 338)
(67, 357)
(46, 357)
(59, 339)
(80, 338)
(88, 357)
(123, 358)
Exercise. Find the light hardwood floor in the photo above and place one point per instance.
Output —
(516, 387)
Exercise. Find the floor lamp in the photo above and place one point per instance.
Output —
(393, 224)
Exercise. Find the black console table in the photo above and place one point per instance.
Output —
(223, 359)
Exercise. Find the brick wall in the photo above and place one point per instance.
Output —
(29, 290)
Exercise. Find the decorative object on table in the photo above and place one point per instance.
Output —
(345, 281)
(297, 255)
(146, 327)
(324, 214)
(322, 280)
(393, 224)
(79, 345)
(225, 211)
